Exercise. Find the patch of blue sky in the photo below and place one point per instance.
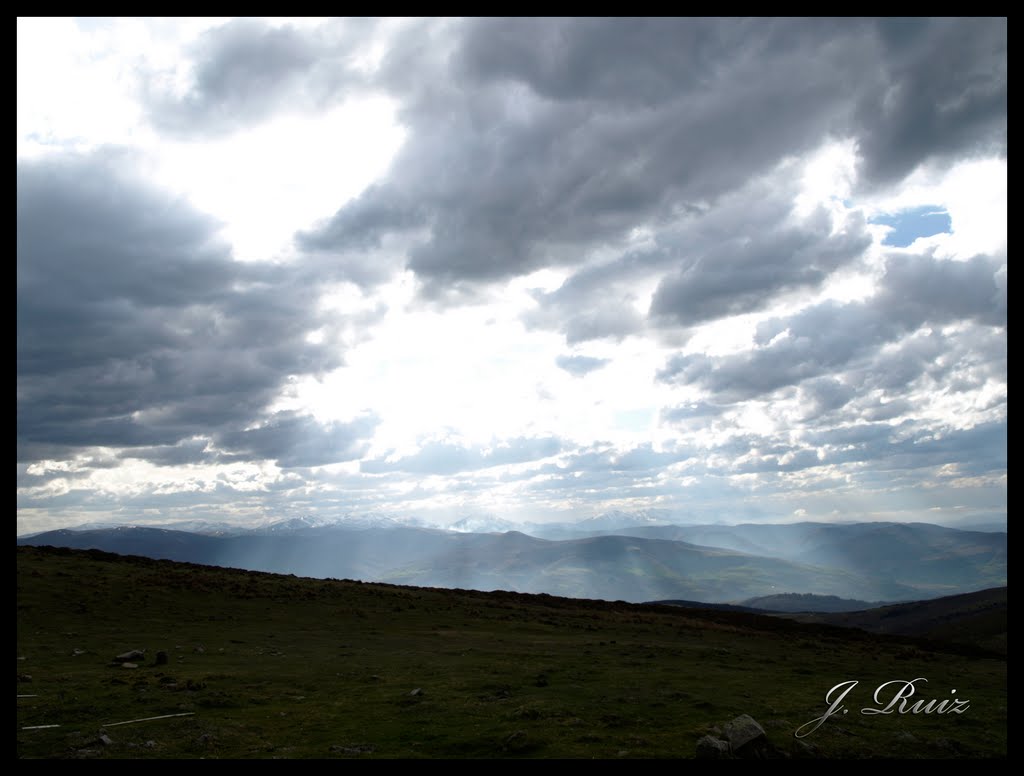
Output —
(909, 225)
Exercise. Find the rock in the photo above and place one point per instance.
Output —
(105, 740)
(199, 649)
(76, 652)
(744, 735)
(161, 658)
(711, 748)
(131, 656)
(418, 691)
(24, 678)
(129, 665)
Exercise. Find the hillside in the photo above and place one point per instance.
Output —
(978, 618)
(270, 666)
(830, 560)
(932, 559)
(807, 602)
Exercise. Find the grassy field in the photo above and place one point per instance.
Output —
(268, 666)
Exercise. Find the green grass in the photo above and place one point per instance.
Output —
(282, 667)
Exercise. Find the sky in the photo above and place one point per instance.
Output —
(535, 268)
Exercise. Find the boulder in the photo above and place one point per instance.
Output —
(745, 735)
(711, 748)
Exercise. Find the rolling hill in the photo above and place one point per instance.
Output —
(239, 664)
(613, 567)
(978, 618)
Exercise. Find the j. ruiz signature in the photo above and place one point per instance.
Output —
(890, 698)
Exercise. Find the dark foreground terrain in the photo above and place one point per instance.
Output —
(977, 618)
(267, 666)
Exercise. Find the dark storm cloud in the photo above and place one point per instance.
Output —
(246, 71)
(294, 440)
(944, 93)
(578, 366)
(708, 263)
(744, 272)
(449, 458)
(515, 172)
(290, 439)
(534, 141)
(135, 326)
(188, 451)
(826, 338)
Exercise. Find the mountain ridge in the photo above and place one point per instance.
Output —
(646, 563)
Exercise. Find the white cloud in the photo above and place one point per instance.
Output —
(643, 274)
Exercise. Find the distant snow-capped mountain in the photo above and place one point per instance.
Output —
(204, 527)
(349, 521)
(483, 524)
(618, 519)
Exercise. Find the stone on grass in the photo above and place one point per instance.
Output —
(711, 748)
(744, 735)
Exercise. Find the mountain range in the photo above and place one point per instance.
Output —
(643, 561)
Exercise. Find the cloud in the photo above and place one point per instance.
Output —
(943, 94)
(604, 460)
(449, 458)
(188, 451)
(579, 366)
(823, 395)
(136, 328)
(707, 263)
(828, 337)
(512, 171)
(535, 141)
(246, 71)
(647, 182)
(976, 450)
(692, 411)
(294, 440)
(917, 289)
(744, 271)
(908, 225)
